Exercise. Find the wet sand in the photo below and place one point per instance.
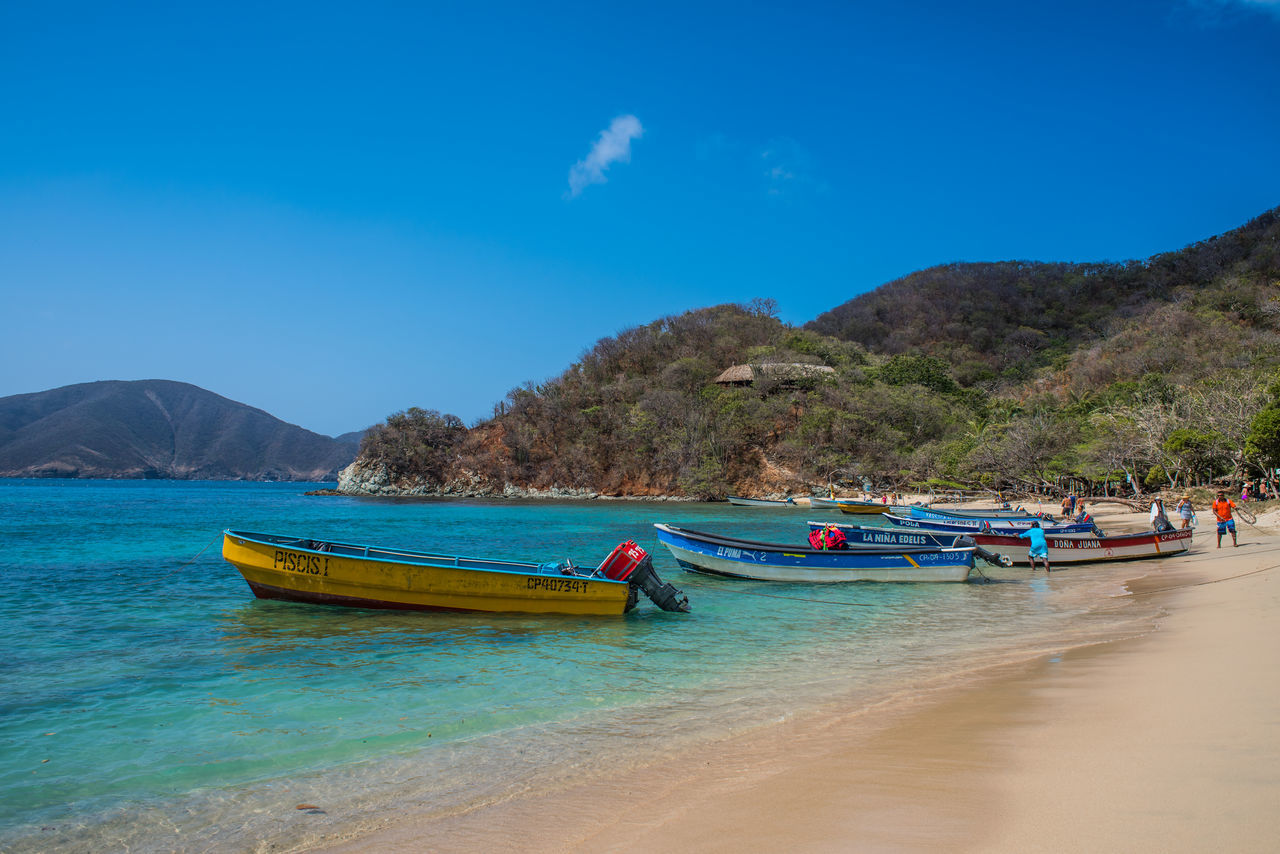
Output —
(1166, 742)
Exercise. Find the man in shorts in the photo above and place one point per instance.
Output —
(1039, 546)
(1222, 510)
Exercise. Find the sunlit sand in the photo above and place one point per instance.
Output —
(1165, 742)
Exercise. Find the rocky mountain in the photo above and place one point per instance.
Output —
(158, 429)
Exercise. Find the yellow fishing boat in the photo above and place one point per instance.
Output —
(861, 508)
(323, 572)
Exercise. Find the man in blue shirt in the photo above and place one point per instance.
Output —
(1039, 546)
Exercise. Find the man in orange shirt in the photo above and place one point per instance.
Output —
(1222, 509)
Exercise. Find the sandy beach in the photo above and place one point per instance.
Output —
(1165, 742)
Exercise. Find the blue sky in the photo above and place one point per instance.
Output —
(334, 212)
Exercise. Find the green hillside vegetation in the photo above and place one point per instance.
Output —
(1001, 322)
(1000, 375)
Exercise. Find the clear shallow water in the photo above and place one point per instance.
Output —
(148, 701)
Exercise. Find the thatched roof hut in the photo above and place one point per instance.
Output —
(785, 373)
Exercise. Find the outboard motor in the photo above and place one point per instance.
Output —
(990, 557)
(632, 564)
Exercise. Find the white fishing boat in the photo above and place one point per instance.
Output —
(1069, 550)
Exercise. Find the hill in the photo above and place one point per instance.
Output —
(157, 429)
(998, 322)
(1002, 374)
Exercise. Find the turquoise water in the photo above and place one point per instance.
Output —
(148, 701)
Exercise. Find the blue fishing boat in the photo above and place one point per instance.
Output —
(990, 526)
(919, 512)
(736, 558)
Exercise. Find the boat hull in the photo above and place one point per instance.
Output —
(300, 570)
(861, 508)
(1070, 550)
(710, 554)
(997, 526)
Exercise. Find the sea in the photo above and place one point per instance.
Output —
(148, 702)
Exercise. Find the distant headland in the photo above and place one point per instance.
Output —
(158, 429)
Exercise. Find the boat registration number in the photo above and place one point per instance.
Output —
(558, 585)
(305, 564)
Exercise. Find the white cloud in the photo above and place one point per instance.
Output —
(613, 146)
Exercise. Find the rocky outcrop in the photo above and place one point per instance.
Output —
(367, 477)
(371, 478)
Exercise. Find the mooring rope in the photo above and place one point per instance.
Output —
(1200, 583)
(194, 559)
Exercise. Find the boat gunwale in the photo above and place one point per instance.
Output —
(978, 513)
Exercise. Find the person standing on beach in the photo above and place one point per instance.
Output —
(1185, 511)
(1222, 510)
(1159, 521)
(1039, 546)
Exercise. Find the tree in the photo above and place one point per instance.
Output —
(1026, 449)
(909, 369)
(416, 442)
(1198, 452)
(1263, 441)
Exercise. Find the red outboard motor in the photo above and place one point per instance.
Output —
(632, 564)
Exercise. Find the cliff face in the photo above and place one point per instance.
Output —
(370, 477)
(157, 429)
